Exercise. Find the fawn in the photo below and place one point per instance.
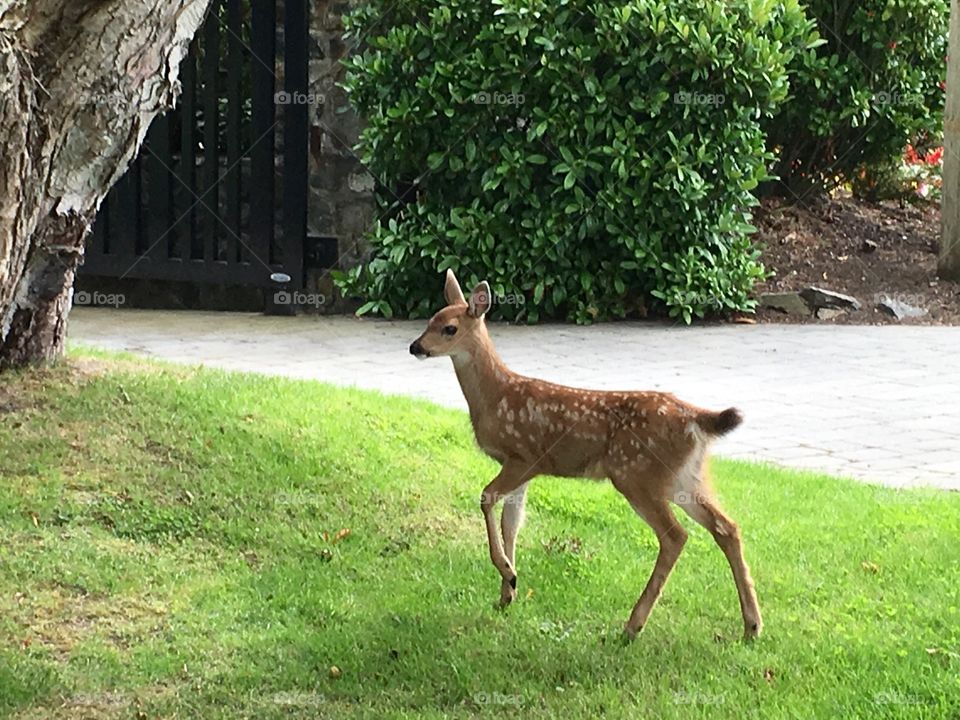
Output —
(650, 445)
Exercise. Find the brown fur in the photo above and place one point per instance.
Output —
(650, 445)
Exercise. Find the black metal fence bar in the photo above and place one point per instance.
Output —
(210, 67)
(187, 239)
(262, 64)
(295, 133)
(158, 161)
(232, 179)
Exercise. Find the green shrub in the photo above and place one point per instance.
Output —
(859, 99)
(587, 158)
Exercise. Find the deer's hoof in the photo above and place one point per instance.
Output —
(630, 633)
(508, 592)
(752, 630)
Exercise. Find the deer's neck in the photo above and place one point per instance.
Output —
(483, 378)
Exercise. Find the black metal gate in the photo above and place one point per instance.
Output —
(210, 198)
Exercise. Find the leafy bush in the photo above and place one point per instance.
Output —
(874, 86)
(585, 157)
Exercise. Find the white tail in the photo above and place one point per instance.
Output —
(650, 445)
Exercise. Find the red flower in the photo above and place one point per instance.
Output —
(934, 157)
(910, 155)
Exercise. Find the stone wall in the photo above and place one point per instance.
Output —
(340, 203)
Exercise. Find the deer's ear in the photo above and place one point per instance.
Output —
(479, 300)
(452, 291)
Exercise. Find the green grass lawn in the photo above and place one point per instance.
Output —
(188, 543)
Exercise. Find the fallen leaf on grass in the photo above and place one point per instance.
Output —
(341, 534)
(943, 651)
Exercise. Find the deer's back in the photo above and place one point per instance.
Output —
(588, 433)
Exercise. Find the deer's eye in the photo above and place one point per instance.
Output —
(449, 330)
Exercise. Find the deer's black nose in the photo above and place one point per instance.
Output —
(416, 348)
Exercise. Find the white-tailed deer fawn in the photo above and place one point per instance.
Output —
(650, 445)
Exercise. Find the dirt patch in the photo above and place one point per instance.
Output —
(26, 389)
(57, 618)
(100, 705)
(9, 403)
(860, 249)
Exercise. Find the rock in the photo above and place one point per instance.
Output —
(361, 182)
(868, 246)
(788, 302)
(829, 313)
(819, 298)
(898, 308)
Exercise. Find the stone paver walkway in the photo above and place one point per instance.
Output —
(875, 403)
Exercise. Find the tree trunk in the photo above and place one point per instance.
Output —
(949, 264)
(80, 82)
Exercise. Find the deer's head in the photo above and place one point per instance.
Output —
(457, 328)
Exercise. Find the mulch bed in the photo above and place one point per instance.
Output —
(860, 249)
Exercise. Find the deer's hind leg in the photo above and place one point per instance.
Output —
(702, 507)
(655, 510)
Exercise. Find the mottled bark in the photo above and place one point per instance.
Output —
(80, 82)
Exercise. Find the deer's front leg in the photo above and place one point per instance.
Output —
(512, 476)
